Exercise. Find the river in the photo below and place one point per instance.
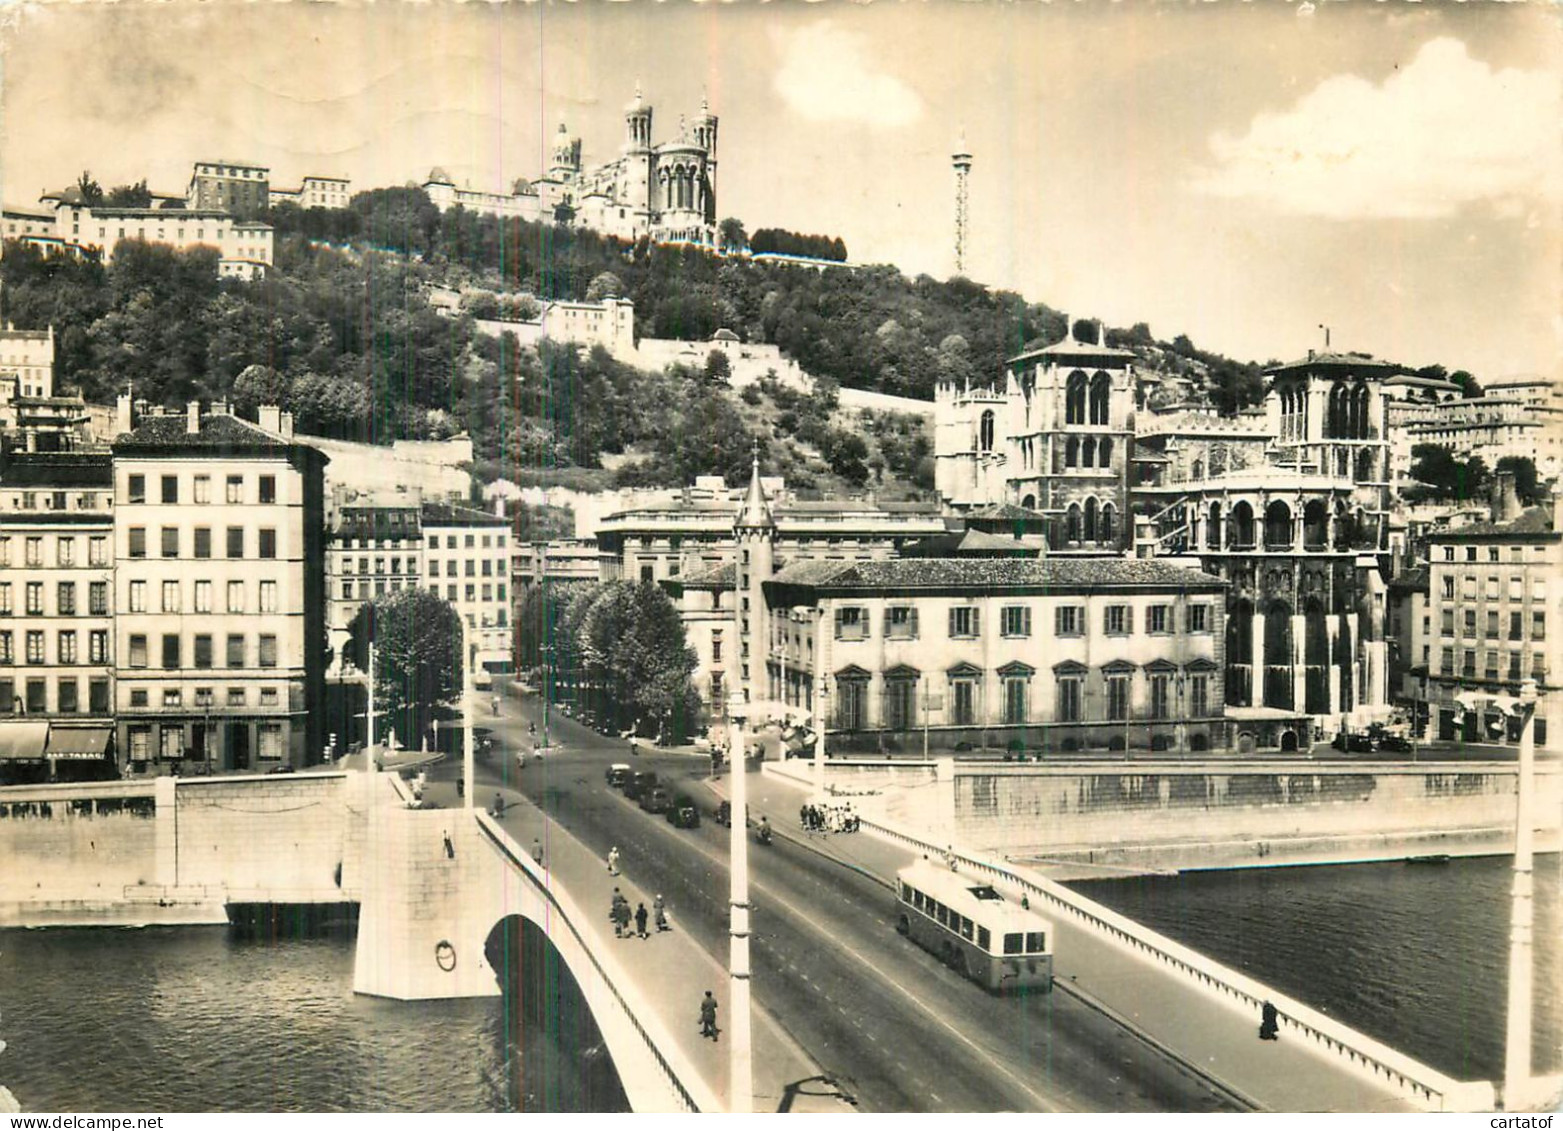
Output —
(195, 1019)
(1415, 956)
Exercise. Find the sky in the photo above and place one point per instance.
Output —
(1243, 173)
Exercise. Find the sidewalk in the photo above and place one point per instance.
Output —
(669, 969)
(1207, 1034)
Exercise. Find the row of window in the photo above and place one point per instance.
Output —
(65, 604)
(499, 567)
(363, 565)
(1516, 590)
(1516, 553)
(172, 741)
(141, 697)
(53, 500)
(66, 547)
(1495, 663)
(237, 653)
(1494, 624)
(201, 545)
(67, 696)
(904, 710)
(471, 593)
(900, 622)
(467, 540)
(172, 597)
(201, 489)
(65, 647)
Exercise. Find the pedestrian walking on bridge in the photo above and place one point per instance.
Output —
(613, 861)
(621, 920)
(640, 921)
(537, 852)
(708, 1016)
(660, 913)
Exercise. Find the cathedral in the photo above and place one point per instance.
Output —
(665, 191)
(1054, 440)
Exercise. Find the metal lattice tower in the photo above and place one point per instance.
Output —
(961, 159)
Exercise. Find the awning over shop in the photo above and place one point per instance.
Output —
(1264, 714)
(23, 742)
(79, 742)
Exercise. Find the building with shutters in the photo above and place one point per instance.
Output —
(466, 556)
(219, 633)
(56, 615)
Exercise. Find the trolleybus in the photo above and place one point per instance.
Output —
(975, 929)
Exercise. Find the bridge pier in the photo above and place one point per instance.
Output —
(422, 924)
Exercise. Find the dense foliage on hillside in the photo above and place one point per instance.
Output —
(342, 333)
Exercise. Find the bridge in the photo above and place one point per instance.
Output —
(437, 886)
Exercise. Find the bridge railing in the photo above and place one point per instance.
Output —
(683, 1081)
(1412, 1080)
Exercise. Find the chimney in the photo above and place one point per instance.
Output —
(123, 420)
(1146, 544)
(193, 417)
(286, 429)
(1505, 501)
(269, 417)
(499, 506)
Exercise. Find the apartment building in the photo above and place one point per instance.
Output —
(1493, 614)
(466, 555)
(220, 629)
(56, 616)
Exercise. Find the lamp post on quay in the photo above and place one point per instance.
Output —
(740, 1054)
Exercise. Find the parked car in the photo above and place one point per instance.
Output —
(682, 814)
(724, 814)
(1395, 744)
(655, 799)
(638, 784)
(618, 774)
(1353, 743)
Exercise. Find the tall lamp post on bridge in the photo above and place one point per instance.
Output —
(740, 1047)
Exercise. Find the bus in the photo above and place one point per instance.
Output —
(975, 929)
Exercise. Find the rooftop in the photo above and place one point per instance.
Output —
(444, 514)
(1532, 520)
(1070, 347)
(216, 430)
(997, 573)
(57, 469)
(1335, 360)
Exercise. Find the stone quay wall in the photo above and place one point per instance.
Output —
(1191, 814)
(177, 849)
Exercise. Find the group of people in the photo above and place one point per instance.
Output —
(622, 917)
(828, 819)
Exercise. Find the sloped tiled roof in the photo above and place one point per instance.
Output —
(1532, 520)
(997, 573)
(217, 430)
(443, 514)
(54, 469)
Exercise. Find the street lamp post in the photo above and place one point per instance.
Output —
(1517, 1066)
(466, 714)
(740, 1056)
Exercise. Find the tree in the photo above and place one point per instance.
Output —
(604, 285)
(1447, 477)
(129, 196)
(718, 369)
(1469, 388)
(418, 662)
(731, 235)
(91, 191)
(258, 385)
(1526, 485)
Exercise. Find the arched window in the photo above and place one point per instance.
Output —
(1104, 452)
(1278, 525)
(1088, 452)
(1072, 452)
(1074, 399)
(1109, 522)
(1213, 528)
(1029, 502)
(1090, 520)
(985, 432)
(1339, 426)
(1101, 387)
(1072, 522)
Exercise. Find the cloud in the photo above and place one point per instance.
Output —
(831, 75)
(1443, 132)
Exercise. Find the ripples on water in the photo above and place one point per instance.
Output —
(191, 1019)
(1415, 956)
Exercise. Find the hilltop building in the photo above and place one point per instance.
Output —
(664, 190)
(315, 192)
(32, 417)
(66, 223)
(240, 188)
